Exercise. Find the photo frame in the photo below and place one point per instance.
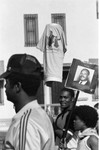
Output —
(95, 96)
(76, 69)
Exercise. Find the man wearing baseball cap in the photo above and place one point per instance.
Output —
(30, 128)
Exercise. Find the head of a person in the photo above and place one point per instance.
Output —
(85, 117)
(23, 72)
(66, 98)
(84, 74)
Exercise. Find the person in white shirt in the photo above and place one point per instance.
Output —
(31, 128)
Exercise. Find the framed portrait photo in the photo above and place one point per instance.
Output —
(82, 76)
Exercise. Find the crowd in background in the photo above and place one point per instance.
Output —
(75, 128)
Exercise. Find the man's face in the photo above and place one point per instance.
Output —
(84, 75)
(9, 90)
(65, 99)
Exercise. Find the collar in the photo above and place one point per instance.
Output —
(83, 82)
(87, 132)
(31, 105)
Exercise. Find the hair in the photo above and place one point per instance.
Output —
(30, 84)
(86, 70)
(87, 114)
(72, 93)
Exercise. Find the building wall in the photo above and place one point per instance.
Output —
(81, 29)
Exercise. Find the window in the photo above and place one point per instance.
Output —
(31, 29)
(59, 18)
(1, 83)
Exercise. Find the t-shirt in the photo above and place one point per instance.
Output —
(84, 136)
(31, 129)
(53, 45)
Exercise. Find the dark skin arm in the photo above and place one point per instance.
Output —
(93, 142)
(59, 133)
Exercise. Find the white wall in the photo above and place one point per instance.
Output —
(81, 27)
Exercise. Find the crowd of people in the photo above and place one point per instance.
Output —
(82, 130)
(31, 127)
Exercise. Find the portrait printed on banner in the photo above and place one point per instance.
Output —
(82, 76)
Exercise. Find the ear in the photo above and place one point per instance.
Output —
(18, 87)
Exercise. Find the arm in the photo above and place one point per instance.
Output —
(93, 142)
(59, 133)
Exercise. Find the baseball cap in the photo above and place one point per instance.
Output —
(22, 64)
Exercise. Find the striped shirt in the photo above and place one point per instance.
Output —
(30, 129)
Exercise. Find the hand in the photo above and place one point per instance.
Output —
(63, 145)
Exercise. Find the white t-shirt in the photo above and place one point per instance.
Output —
(84, 136)
(53, 45)
(31, 129)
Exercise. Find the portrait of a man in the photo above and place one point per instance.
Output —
(83, 78)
